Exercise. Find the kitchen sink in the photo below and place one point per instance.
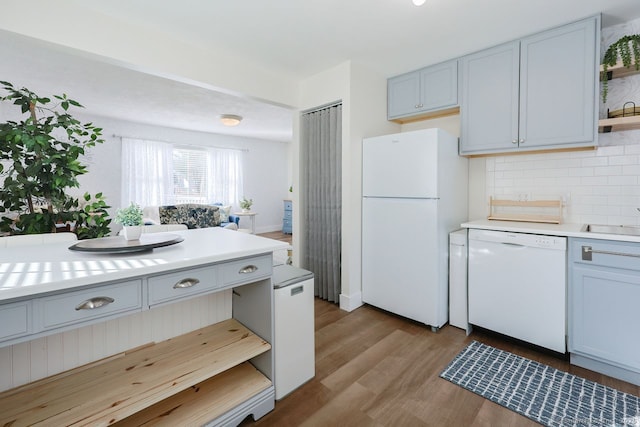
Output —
(630, 230)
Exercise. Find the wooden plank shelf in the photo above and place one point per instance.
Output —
(619, 70)
(108, 392)
(517, 210)
(619, 123)
(203, 402)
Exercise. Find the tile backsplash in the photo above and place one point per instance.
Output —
(598, 186)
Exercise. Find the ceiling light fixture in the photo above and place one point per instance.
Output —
(230, 119)
(418, 2)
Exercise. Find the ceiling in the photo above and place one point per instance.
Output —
(295, 38)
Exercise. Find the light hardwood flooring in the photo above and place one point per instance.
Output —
(377, 369)
(277, 235)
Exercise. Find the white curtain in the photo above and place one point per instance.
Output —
(147, 172)
(224, 172)
(321, 144)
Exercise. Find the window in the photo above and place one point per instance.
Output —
(157, 173)
(189, 176)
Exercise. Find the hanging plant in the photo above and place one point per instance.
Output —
(628, 49)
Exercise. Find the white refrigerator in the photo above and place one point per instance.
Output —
(414, 188)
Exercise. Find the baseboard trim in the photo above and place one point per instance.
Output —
(350, 302)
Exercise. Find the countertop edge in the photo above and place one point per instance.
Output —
(563, 230)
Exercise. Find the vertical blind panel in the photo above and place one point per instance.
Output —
(322, 148)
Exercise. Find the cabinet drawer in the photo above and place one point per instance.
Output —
(184, 284)
(247, 270)
(15, 319)
(288, 215)
(75, 307)
(288, 205)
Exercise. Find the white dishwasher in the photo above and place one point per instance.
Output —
(517, 286)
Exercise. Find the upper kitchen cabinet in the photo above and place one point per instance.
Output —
(426, 92)
(537, 93)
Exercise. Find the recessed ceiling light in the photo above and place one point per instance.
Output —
(230, 119)
(418, 2)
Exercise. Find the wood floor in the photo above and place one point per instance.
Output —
(377, 369)
(277, 235)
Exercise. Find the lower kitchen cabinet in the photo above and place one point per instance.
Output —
(604, 292)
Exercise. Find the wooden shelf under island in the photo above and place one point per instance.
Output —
(188, 380)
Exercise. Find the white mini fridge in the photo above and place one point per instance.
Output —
(294, 341)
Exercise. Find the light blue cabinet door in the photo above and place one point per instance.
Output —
(604, 290)
(403, 95)
(558, 89)
(536, 93)
(439, 85)
(423, 91)
(605, 315)
(489, 100)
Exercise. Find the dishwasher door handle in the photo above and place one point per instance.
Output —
(516, 245)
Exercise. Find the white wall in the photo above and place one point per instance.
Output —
(266, 166)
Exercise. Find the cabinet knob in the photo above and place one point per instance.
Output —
(417, 106)
(515, 141)
(93, 303)
(522, 141)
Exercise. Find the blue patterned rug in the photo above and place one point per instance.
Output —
(540, 392)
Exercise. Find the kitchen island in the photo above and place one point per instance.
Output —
(48, 290)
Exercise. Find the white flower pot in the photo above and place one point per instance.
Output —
(132, 232)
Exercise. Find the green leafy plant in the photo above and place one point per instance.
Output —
(246, 203)
(92, 220)
(627, 48)
(131, 215)
(40, 160)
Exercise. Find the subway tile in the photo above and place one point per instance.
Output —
(624, 160)
(595, 161)
(607, 170)
(622, 180)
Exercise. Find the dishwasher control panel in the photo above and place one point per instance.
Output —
(522, 239)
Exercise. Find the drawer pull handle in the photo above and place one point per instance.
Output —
(587, 251)
(248, 269)
(93, 303)
(186, 283)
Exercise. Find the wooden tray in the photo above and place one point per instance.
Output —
(118, 244)
(554, 206)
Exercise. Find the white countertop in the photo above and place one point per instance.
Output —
(30, 270)
(566, 230)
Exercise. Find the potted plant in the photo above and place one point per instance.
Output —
(131, 220)
(245, 204)
(39, 161)
(627, 48)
